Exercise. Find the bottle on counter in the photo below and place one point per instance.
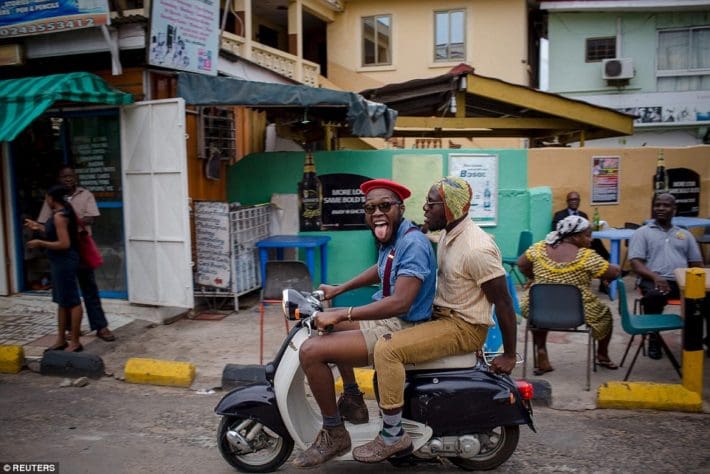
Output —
(310, 196)
(596, 219)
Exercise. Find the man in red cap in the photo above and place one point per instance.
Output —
(406, 273)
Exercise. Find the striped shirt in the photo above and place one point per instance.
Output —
(467, 258)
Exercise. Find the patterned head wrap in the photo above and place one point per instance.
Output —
(456, 194)
(568, 226)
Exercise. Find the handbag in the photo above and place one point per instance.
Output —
(89, 255)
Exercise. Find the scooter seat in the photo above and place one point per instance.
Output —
(459, 361)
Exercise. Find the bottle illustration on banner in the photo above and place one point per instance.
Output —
(660, 180)
(487, 196)
(310, 196)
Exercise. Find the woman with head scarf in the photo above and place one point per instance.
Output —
(565, 257)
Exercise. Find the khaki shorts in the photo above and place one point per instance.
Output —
(373, 329)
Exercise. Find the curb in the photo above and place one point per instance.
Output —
(159, 372)
(12, 358)
(364, 379)
(656, 396)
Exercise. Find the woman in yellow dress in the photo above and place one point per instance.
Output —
(565, 257)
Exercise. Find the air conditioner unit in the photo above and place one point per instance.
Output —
(617, 68)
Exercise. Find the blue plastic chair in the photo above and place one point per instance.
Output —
(643, 325)
(524, 241)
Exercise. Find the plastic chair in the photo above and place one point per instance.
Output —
(524, 241)
(704, 240)
(644, 325)
(558, 307)
(280, 274)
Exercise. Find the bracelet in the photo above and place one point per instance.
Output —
(350, 314)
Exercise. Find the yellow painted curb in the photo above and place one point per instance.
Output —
(11, 359)
(656, 396)
(364, 381)
(159, 372)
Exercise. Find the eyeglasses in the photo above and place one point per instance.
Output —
(383, 206)
(428, 203)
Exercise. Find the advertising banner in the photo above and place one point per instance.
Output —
(481, 172)
(212, 243)
(605, 180)
(37, 17)
(343, 201)
(185, 35)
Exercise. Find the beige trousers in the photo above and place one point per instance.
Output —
(446, 334)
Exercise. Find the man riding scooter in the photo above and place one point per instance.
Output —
(471, 279)
(406, 272)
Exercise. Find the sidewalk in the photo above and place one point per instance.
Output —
(210, 344)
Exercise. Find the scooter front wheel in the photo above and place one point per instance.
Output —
(251, 447)
(497, 445)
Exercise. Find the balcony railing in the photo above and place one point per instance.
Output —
(283, 63)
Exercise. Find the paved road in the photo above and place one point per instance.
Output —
(115, 427)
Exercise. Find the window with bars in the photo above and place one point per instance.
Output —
(377, 40)
(450, 35)
(218, 133)
(600, 48)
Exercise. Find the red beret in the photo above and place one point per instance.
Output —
(396, 188)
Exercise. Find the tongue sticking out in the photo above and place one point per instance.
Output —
(381, 231)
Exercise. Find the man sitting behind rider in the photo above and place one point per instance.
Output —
(406, 272)
(471, 279)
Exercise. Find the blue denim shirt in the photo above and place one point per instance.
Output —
(413, 256)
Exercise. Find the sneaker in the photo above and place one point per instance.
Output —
(329, 443)
(353, 409)
(654, 347)
(378, 451)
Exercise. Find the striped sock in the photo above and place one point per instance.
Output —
(391, 428)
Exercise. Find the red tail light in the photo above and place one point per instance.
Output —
(526, 389)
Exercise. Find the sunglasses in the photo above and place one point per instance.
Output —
(383, 207)
(428, 203)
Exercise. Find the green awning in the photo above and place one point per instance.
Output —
(23, 100)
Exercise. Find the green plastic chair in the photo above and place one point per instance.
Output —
(643, 325)
(524, 241)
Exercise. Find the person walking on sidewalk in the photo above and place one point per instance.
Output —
(406, 272)
(655, 251)
(61, 239)
(471, 279)
(84, 205)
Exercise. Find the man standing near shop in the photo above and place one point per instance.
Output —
(84, 205)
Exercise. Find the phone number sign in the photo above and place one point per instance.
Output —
(36, 17)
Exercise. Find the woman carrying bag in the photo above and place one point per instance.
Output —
(62, 243)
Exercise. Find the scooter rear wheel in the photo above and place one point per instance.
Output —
(270, 449)
(501, 444)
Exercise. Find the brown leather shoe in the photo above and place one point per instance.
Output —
(353, 409)
(378, 451)
(105, 334)
(329, 443)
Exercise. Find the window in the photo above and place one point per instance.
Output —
(218, 140)
(600, 48)
(683, 59)
(450, 35)
(377, 40)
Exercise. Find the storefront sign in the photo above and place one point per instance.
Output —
(684, 185)
(605, 180)
(38, 17)
(342, 201)
(481, 172)
(212, 243)
(185, 35)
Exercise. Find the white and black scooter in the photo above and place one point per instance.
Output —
(455, 408)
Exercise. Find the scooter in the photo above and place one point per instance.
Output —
(455, 408)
